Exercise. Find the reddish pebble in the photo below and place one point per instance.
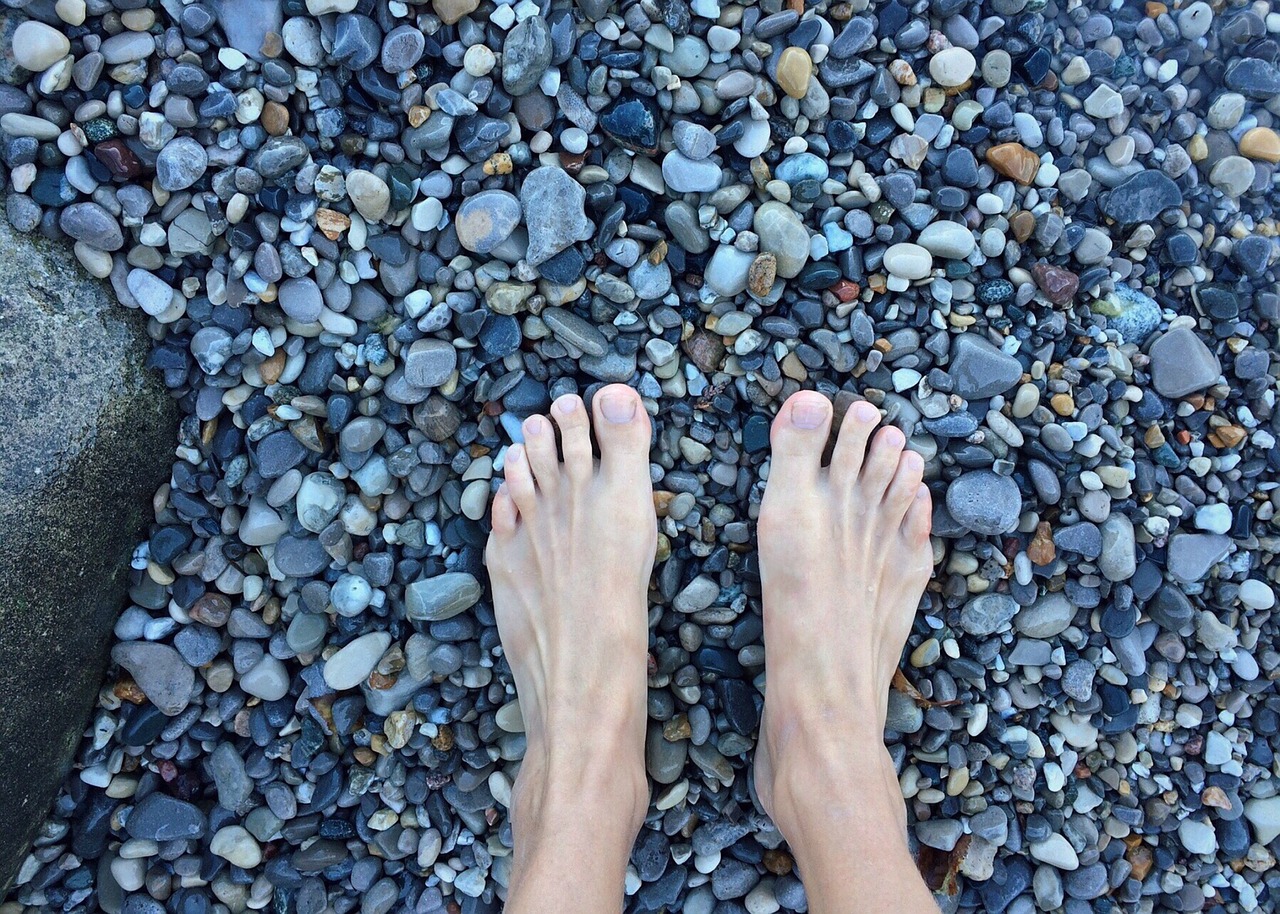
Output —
(1058, 284)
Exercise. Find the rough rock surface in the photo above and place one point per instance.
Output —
(87, 434)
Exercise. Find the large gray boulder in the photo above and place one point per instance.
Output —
(86, 436)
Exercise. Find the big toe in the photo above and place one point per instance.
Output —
(622, 430)
(798, 436)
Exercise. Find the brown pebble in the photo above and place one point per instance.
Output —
(332, 223)
(1022, 224)
(498, 164)
(705, 350)
(119, 159)
(1013, 160)
(212, 609)
(275, 118)
(1058, 284)
(761, 274)
(778, 862)
(795, 67)
(1227, 437)
(1041, 550)
(1261, 143)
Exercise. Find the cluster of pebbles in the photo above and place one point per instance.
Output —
(371, 236)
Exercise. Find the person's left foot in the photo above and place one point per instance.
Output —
(569, 559)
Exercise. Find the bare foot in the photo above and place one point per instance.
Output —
(844, 559)
(569, 559)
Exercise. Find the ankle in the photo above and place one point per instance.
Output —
(820, 777)
(603, 782)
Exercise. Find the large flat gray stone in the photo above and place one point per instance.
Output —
(86, 435)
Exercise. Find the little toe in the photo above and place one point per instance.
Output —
(798, 436)
(880, 464)
(519, 479)
(504, 514)
(905, 484)
(540, 449)
(851, 444)
(622, 431)
(919, 519)
(575, 436)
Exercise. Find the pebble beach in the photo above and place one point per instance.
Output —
(369, 237)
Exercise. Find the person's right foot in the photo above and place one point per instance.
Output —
(844, 559)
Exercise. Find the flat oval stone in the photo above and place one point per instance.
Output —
(487, 219)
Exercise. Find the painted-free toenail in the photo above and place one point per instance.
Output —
(618, 407)
(533, 426)
(564, 405)
(913, 461)
(808, 414)
(893, 436)
(864, 411)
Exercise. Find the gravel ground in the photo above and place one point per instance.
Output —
(372, 235)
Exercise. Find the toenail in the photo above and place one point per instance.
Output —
(893, 436)
(514, 454)
(864, 411)
(913, 461)
(618, 407)
(563, 405)
(808, 413)
(533, 426)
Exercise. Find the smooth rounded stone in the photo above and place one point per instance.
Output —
(352, 664)
(1141, 198)
(1170, 608)
(987, 614)
(160, 672)
(300, 556)
(979, 369)
(301, 299)
(903, 714)
(442, 596)
(306, 633)
(430, 362)
(1182, 364)
(726, 272)
(160, 817)
(1118, 558)
(487, 219)
(37, 46)
(784, 235)
(100, 435)
(1264, 815)
(985, 502)
(1047, 617)
(684, 175)
(1056, 851)
(949, 240)
(694, 141)
(180, 164)
(1191, 556)
(952, 67)
(369, 194)
(1256, 594)
(1261, 143)
(234, 844)
(909, 261)
(795, 68)
(940, 834)
(268, 679)
(153, 294)
(91, 224)
(1233, 175)
(664, 760)
(553, 209)
(1197, 836)
(1132, 314)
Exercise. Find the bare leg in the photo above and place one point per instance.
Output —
(844, 558)
(570, 555)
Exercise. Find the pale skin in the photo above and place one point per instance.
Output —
(844, 558)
